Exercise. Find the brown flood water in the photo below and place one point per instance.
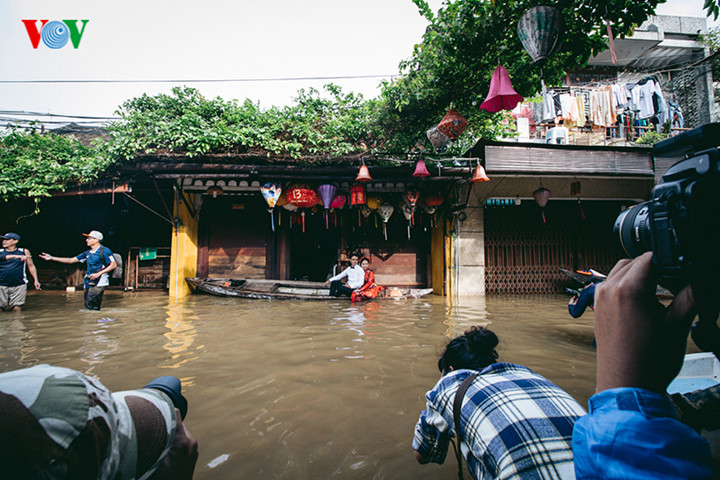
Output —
(297, 390)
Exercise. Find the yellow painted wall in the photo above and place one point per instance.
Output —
(184, 252)
(437, 256)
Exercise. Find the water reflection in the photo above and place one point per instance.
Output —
(180, 335)
(295, 389)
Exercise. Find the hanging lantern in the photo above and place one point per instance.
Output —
(214, 191)
(452, 124)
(271, 193)
(302, 196)
(412, 197)
(501, 96)
(385, 211)
(327, 193)
(541, 196)
(420, 169)
(439, 140)
(365, 211)
(539, 31)
(479, 175)
(282, 200)
(358, 195)
(337, 204)
(339, 201)
(363, 174)
(408, 214)
(432, 204)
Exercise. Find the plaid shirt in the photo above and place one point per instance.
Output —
(514, 424)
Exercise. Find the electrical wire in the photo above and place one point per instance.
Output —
(216, 80)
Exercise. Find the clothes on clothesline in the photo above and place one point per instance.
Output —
(575, 106)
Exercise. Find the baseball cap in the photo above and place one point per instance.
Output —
(59, 423)
(11, 236)
(94, 234)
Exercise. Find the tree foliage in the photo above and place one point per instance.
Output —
(186, 122)
(34, 164)
(465, 41)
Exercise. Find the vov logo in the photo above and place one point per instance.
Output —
(55, 34)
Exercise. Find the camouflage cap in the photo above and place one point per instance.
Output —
(56, 423)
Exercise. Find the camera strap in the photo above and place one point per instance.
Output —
(457, 407)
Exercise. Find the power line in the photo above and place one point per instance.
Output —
(217, 80)
(21, 113)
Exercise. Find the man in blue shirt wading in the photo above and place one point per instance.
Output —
(100, 262)
(13, 278)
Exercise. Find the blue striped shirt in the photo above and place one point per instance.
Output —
(514, 422)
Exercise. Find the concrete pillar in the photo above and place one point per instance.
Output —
(470, 248)
(184, 251)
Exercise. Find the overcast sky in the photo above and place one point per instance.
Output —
(216, 40)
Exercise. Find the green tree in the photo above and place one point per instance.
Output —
(465, 41)
(34, 164)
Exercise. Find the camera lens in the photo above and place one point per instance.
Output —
(632, 230)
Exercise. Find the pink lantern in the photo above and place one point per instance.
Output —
(501, 96)
(420, 169)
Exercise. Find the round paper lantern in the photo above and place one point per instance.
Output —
(439, 140)
(373, 202)
(539, 31)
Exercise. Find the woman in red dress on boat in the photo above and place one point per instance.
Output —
(369, 289)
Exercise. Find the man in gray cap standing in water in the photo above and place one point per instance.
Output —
(13, 275)
(100, 262)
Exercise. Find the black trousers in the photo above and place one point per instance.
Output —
(93, 297)
(338, 289)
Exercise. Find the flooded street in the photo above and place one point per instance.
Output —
(299, 390)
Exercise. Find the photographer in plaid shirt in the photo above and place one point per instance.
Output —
(514, 423)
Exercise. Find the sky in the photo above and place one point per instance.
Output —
(269, 49)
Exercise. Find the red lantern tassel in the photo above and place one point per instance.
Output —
(303, 221)
(359, 224)
(335, 218)
(326, 220)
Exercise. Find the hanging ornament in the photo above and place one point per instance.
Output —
(408, 214)
(271, 193)
(327, 193)
(337, 204)
(501, 96)
(439, 140)
(479, 175)
(302, 196)
(385, 211)
(582, 212)
(539, 32)
(412, 197)
(432, 204)
(420, 169)
(541, 196)
(453, 124)
(363, 174)
(373, 202)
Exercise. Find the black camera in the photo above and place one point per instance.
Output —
(680, 224)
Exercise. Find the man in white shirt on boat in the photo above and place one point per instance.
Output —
(355, 279)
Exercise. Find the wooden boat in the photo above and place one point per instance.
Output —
(699, 371)
(283, 289)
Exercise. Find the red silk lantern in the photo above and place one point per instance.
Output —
(452, 124)
(302, 196)
(358, 195)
